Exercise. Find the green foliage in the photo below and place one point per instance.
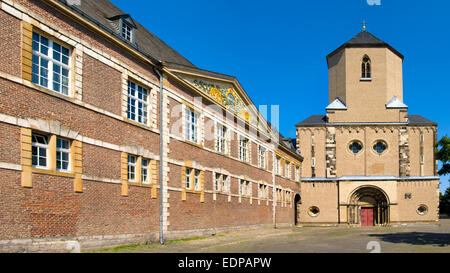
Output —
(443, 155)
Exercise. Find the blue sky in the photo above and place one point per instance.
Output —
(277, 49)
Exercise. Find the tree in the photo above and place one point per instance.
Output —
(443, 155)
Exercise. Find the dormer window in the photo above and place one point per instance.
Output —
(365, 68)
(127, 31)
(124, 26)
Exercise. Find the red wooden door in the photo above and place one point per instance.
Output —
(367, 215)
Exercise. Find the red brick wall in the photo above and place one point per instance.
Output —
(101, 162)
(102, 85)
(10, 44)
(9, 143)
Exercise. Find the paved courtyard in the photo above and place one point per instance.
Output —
(403, 239)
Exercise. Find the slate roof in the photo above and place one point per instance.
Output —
(318, 120)
(98, 12)
(365, 39)
(419, 120)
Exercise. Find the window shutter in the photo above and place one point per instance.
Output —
(202, 186)
(77, 165)
(154, 177)
(183, 183)
(25, 146)
(124, 173)
(27, 51)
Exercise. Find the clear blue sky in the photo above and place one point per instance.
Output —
(277, 49)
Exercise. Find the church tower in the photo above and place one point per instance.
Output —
(365, 82)
(367, 161)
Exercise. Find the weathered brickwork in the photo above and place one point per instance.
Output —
(101, 85)
(10, 44)
(96, 198)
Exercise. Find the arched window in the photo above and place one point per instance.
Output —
(365, 68)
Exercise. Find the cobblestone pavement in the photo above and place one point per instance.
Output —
(403, 239)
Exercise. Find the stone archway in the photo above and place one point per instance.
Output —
(297, 203)
(368, 206)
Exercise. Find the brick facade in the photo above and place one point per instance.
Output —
(96, 199)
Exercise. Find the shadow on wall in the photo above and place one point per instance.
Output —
(416, 238)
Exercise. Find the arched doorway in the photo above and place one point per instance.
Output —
(297, 203)
(368, 206)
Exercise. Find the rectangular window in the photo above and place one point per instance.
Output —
(191, 126)
(261, 157)
(243, 149)
(145, 179)
(188, 178)
(287, 169)
(127, 31)
(278, 166)
(132, 168)
(62, 154)
(51, 64)
(39, 146)
(137, 103)
(224, 183)
(197, 180)
(221, 139)
(313, 162)
(261, 191)
(297, 173)
(217, 182)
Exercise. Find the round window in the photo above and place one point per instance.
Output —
(355, 147)
(380, 147)
(314, 211)
(422, 210)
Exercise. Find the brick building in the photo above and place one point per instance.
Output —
(87, 139)
(373, 159)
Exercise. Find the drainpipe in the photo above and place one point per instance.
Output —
(161, 90)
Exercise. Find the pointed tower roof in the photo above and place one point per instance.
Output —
(365, 39)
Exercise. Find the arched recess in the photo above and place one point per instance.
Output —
(368, 206)
(297, 203)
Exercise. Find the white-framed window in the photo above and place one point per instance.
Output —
(245, 188)
(221, 132)
(297, 173)
(188, 183)
(278, 166)
(191, 129)
(261, 191)
(197, 180)
(127, 31)
(39, 146)
(221, 182)
(132, 168)
(217, 182)
(243, 149)
(224, 183)
(137, 103)
(313, 162)
(287, 169)
(261, 157)
(145, 178)
(62, 155)
(51, 64)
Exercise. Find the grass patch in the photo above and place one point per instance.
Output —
(187, 239)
